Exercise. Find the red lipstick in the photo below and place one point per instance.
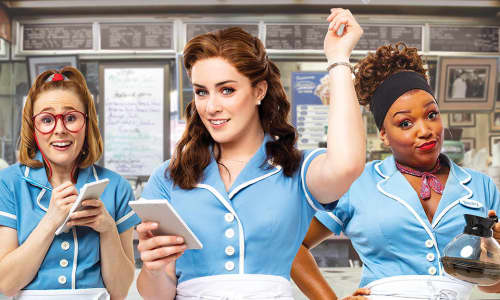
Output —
(427, 146)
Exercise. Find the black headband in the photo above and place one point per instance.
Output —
(391, 89)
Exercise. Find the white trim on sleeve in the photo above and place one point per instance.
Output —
(125, 217)
(336, 219)
(303, 177)
(10, 216)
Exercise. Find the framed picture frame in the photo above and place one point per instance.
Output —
(462, 119)
(494, 139)
(495, 120)
(467, 84)
(40, 64)
(469, 143)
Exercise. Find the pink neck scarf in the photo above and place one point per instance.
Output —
(429, 181)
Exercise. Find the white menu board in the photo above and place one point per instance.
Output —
(133, 120)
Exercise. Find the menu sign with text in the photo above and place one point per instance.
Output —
(464, 39)
(311, 36)
(375, 36)
(57, 37)
(137, 36)
(194, 29)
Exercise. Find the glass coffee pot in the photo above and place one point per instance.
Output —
(474, 255)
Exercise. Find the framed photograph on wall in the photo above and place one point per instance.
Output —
(40, 64)
(495, 120)
(467, 84)
(462, 119)
(469, 143)
(494, 139)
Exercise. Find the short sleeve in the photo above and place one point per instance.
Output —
(336, 220)
(8, 216)
(125, 216)
(158, 185)
(309, 156)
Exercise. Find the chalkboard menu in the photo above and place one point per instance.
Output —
(464, 39)
(311, 36)
(135, 36)
(195, 29)
(295, 36)
(375, 36)
(57, 36)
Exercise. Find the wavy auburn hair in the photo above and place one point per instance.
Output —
(75, 82)
(247, 54)
(372, 70)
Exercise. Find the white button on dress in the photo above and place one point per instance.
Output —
(63, 263)
(430, 257)
(229, 250)
(432, 271)
(229, 233)
(229, 265)
(62, 279)
(429, 244)
(229, 217)
(65, 245)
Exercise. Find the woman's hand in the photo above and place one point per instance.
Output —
(339, 47)
(93, 215)
(358, 294)
(61, 201)
(496, 227)
(157, 252)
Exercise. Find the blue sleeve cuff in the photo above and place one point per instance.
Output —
(8, 220)
(126, 222)
(315, 204)
(331, 221)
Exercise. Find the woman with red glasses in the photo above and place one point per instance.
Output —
(60, 142)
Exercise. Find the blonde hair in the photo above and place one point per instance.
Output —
(74, 81)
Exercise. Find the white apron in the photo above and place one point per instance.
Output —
(235, 287)
(419, 287)
(79, 294)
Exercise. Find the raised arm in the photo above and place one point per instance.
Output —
(330, 175)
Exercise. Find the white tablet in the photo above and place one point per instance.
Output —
(169, 221)
(91, 190)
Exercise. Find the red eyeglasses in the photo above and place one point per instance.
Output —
(46, 122)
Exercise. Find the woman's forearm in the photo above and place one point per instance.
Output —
(152, 286)
(307, 276)
(18, 267)
(117, 266)
(346, 140)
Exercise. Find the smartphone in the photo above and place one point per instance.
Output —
(91, 190)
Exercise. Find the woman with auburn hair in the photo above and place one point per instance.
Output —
(401, 212)
(60, 142)
(237, 178)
